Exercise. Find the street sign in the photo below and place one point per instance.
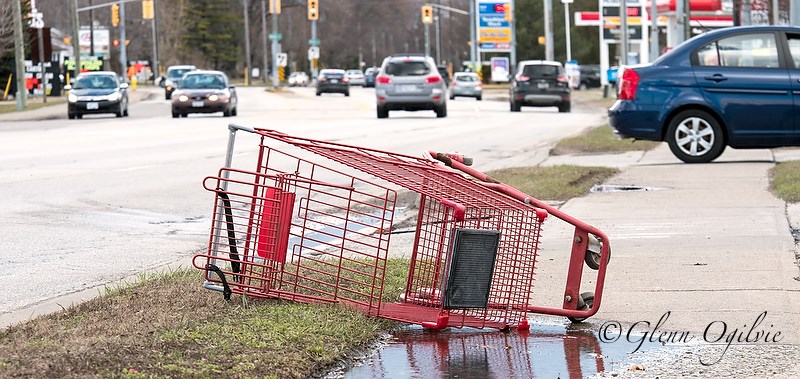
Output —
(37, 19)
(283, 59)
(275, 36)
(314, 42)
(313, 52)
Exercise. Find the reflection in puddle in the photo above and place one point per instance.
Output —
(547, 351)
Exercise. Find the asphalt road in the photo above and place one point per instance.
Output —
(90, 202)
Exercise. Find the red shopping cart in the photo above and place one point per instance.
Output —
(294, 229)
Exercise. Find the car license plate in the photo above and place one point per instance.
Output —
(91, 105)
(406, 88)
(334, 81)
(197, 104)
(543, 85)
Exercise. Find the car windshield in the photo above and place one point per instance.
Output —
(354, 72)
(203, 81)
(177, 73)
(540, 70)
(95, 82)
(404, 68)
(466, 78)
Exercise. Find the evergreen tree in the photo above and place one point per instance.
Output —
(213, 33)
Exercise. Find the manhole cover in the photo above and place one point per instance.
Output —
(621, 188)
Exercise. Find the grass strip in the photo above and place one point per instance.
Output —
(598, 140)
(32, 104)
(785, 181)
(168, 326)
(558, 183)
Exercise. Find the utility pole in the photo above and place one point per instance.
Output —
(20, 56)
(155, 42)
(623, 28)
(246, 10)
(473, 43)
(76, 43)
(513, 23)
(275, 37)
(264, 40)
(653, 33)
(123, 50)
(548, 30)
(91, 30)
(687, 33)
(566, 26)
(438, 19)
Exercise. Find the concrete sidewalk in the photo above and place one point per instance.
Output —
(59, 110)
(712, 245)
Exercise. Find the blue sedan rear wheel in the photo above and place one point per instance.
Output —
(695, 136)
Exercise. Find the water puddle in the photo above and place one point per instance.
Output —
(622, 188)
(546, 351)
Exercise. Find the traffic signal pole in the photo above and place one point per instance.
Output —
(275, 47)
(123, 48)
(314, 68)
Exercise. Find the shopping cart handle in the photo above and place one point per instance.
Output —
(234, 127)
(447, 158)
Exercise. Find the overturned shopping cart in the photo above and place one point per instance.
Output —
(291, 228)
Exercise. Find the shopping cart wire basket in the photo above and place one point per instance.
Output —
(294, 229)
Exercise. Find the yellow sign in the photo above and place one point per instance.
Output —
(496, 35)
(147, 9)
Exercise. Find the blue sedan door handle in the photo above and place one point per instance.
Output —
(716, 77)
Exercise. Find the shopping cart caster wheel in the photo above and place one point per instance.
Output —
(585, 302)
(592, 257)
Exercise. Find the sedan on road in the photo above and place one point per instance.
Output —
(97, 92)
(736, 87)
(333, 80)
(204, 92)
(356, 77)
(174, 75)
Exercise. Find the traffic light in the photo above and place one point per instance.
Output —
(508, 15)
(275, 6)
(313, 10)
(147, 9)
(115, 15)
(427, 14)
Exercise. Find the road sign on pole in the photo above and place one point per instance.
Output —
(313, 52)
(283, 59)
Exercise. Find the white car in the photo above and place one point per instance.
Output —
(297, 79)
(356, 77)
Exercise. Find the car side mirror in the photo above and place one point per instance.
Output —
(123, 85)
(67, 87)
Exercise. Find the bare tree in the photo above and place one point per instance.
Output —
(6, 28)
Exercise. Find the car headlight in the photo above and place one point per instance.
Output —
(72, 98)
(213, 98)
(183, 98)
(114, 96)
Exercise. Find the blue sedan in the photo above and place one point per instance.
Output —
(737, 87)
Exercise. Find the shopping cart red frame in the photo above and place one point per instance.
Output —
(297, 230)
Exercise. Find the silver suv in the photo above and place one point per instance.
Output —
(410, 83)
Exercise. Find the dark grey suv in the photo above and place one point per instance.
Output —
(410, 83)
(540, 84)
